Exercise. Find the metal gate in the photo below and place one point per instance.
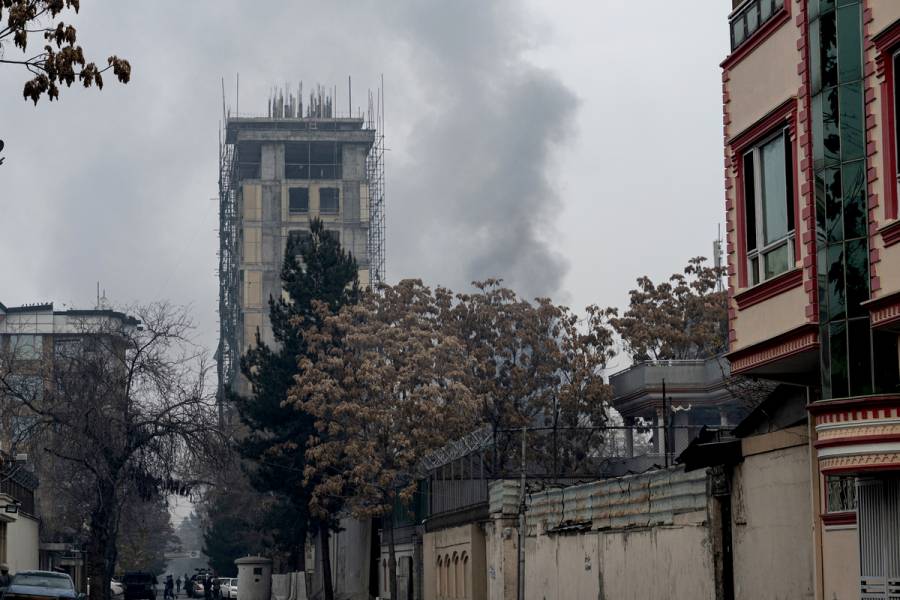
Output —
(878, 518)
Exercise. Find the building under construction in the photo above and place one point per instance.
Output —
(277, 172)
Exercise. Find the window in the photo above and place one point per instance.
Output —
(298, 200)
(329, 201)
(896, 107)
(67, 347)
(26, 347)
(769, 208)
(249, 158)
(840, 493)
(748, 19)
(312, 160)
(296, 239)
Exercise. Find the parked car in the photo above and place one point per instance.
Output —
(228, 588)
(116, 587)
(34, 585)
(139, 585)
(198, 587)
(233, 589)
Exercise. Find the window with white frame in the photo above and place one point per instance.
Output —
(769, 207)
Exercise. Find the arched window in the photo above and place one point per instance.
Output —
(454, 574)
(439, 578)
(467, 576)
(458, 576)
(449, 592)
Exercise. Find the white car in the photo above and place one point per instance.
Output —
(116, 587)
(229, 588)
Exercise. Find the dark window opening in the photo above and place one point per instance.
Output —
(296, 240)
(886, 353)
(329, 201)
(298, 200)
(312, 160)
(249, 157)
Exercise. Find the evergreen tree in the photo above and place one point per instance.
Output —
(315, 269)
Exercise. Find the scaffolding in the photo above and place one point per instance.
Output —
(375, 176)
(228, 351)
(320, 113)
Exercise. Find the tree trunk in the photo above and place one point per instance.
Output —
(298, 558)
(100, 549)
(392, 556)
(324, 534)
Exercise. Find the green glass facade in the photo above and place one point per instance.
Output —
(839, 164)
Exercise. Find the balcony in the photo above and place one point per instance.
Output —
(638, 389)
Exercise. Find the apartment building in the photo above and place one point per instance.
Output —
(32, 338)
(811, 143)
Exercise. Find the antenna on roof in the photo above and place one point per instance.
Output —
(717, 260)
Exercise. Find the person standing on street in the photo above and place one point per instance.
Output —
(5, 579)
(178, 585)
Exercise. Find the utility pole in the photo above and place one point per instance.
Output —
(520, 595)
(665, 424)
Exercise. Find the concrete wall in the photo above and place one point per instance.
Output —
(840, 562)
(767, 319)
(406, 573)
(454, 564)
(637, 537)
(772, 518)
(350, 558)
(884, 13)
(765, 78)
(22, 543)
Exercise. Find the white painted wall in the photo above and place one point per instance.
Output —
(22, 543)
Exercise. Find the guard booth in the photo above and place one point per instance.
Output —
(254, 578)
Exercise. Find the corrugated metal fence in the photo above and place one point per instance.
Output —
(644, 500)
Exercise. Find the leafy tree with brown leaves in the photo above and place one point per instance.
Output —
(387, 385)
(61, 60)
(536, 364)
(682, 318)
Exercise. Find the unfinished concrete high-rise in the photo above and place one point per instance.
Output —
(277, 172)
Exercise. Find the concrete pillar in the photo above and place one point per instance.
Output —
(723, 417)
(681, 435)
(629, 437)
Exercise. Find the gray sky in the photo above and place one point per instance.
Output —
(566, 147)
